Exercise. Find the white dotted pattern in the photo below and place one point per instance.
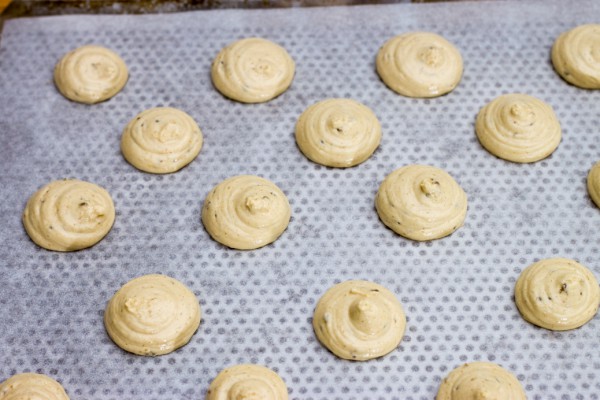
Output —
(457, 292)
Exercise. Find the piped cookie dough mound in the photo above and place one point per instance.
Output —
(252, 70)
(518, 128)
(68, 215)
(247, 381)
(246, 212)
(338, 132)
(480, 380)
(576, 56)
(90, 74)
(421, 202)
(161, 140)
(359, 320)
(419, 64)
(29, 386)
(557, 294)
(593, 183)
(152, 315)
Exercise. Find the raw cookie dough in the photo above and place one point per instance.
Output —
(338, 132)
(246, 212)
(68, 215)
(247, 381)
(518, 128)
(161, 140)
(30, 386)
(419, 64)
(593, 183)
(90, 74)
(421, 202)
(359, 320)
(152, 315)
(576, 56)
(557, 294)
(252, 70)
(480, 380)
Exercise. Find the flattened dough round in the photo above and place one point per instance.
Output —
(419, 64)
(152, 315)
(593, 183)
(359, 320)
(90, 74)
(518, 128)
(480, 380)
(338, 132)
(252, 70)
(557, 294)
(69, 215)
(576, 56)
(247, 381)
(30, 386)
(246, 212)
(161, 140)
(421, 202)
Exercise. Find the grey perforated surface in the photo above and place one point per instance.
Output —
(257, 305)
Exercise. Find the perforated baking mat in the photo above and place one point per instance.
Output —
(257, 305)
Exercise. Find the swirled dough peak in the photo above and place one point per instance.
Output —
(480, 381)
(247, 382)
(68, 215)
(252, 70)
(593, 183)
(359, 320)
(30, 386)
(576, 56)
(421, 202)
(152, 315)
(419, 64)
(246, 212)
(518, 128)
(338, 132)
(161, 140)
(90, 74)
(557, 294)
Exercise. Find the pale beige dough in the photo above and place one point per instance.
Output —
(252, 70)
(480, 381)
(518, 128)
(90, 74)
(246, 212)
(576, 56)
(161, 140)
(68, 215)
(247, 382)
(593, 183)
(338, 132)
(421, 202)
(30, 386)
(419, 64)
(557, 294)
(359, 320)
(152, 315)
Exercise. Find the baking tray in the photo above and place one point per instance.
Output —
(257, 305)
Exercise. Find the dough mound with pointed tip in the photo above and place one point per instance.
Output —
(576, 56)
(152, 315)
(421, 202)
(419, 64)
(90, 74)
(557, 294)
(247, 381)
(30, 386)
(252, 70)
(359, 320)
(338, 133)
(480, 380)
(593, 183)
(69, 215)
